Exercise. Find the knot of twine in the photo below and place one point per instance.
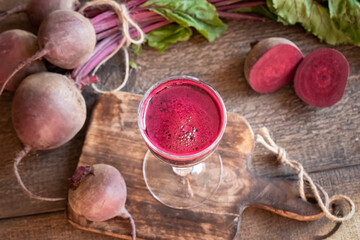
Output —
(267, 141)
(127, 23)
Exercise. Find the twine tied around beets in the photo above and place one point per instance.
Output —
(267, 141)
(124, 17)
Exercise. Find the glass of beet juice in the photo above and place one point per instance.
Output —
(182, 120)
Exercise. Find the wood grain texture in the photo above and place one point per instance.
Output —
(52, 226)
(257, 223)
(113, 129)
(325, 141)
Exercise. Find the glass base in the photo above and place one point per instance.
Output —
(182, 188)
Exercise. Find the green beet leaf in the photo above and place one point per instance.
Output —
(313, 16)
(262, 10)
(346, 15)
(132, 64)
(137, 49)
(191, 13)
(162, 37)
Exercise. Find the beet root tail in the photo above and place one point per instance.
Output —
(21, 65)
(18, 9)
(126, 214)
(17, 160)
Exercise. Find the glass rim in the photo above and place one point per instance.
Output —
(141, 121)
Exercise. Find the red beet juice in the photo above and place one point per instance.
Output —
(182, 117)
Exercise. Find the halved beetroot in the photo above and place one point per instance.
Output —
(321, 78)
(271, 64)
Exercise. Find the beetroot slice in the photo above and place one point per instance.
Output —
(271, 64)
(321, 77)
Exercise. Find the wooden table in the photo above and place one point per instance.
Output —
(326, 141)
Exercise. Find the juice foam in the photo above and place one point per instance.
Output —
(183, 118)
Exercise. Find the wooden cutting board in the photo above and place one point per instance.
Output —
(113, 138)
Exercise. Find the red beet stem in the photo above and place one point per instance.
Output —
(17, 160)
(102, 50)
(110, 22)
(107, 33)
(98, 48)
(321, 78)
(36, 56)
(80, 174)
(91, 12)
(106, 46)
(17, 9)
(134, 3)
(86, 81)
(150, 20)
(142, 15)
(102, 16)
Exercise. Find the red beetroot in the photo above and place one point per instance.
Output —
(66, 39)
(16, 46)
(98, 193)
(271, 64)
(47, 111)
(37, 10)
(321, 78)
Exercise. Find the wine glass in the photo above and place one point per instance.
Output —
(182, 120)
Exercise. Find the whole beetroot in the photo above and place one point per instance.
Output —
(98, 193)
(47, 111)
(67, 38)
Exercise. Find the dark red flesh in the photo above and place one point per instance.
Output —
(275, 68)
(321, 78)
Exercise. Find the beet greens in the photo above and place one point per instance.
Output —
(164, 22)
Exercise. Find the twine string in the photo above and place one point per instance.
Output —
(266, 140)
(127, 23)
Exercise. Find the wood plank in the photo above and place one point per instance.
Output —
(256, 223)
(44, 226)
(114, 123)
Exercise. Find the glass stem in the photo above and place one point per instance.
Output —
(182, 172)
